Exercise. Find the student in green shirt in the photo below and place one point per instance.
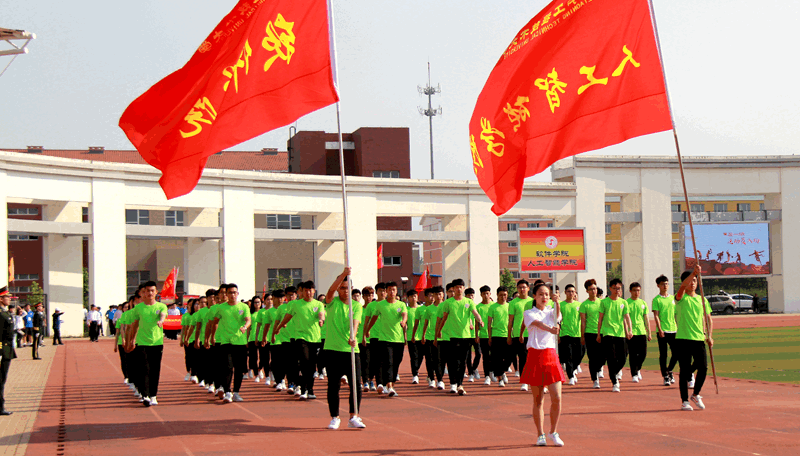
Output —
(473, 362)
(187, 330)
(340, 343)
(368, 293)
(613, 327)
(569, 343)
(291, 358)
(204, 362)
(482, 333)
(263, 349)
(375, 350)
(590, 314)
(516, 332)
(693, 311)
(640, 331)
(664, 314)
(217, 358)
(120, 341)
(413, 342)
(232, 320)
(147, 337)
(277, 348)
(252, 346)
(428, 334)
(497, 329)
(456, 320)
(391, 316)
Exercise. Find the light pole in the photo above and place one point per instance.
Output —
(430, 112)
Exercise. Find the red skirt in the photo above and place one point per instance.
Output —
(542, 368)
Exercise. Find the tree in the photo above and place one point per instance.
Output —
(614, 273)
(37, 294)
(281, 282)
(86, 288)
(507, 280)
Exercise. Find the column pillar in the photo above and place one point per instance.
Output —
(590, 214)
(238, 238)
(3, 228)
(107, 249)
(631, 233)
(63, 269)
(789, 246)
(455, 254)
(330, 255)
(775, 282)
(484, 244)
(362, 235)
(656, 229)
(201, 257)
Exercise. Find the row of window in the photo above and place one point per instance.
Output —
(19, 290)
(515, 226)
(142, 217)
(720, 207)
(283, 222)
(284, 277)
(26, 276)
(22, 237)
(530, 275)
(23, 211)
(386, 174)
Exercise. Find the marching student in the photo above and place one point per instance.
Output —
(413, 335)
(428, 320)
(613, 327)
(191, 339)
(391, 316)
(442, 338)
(473, 362)
(516, 332)
(339, 342)
(231, 321)
(498, 335)
(640, 330)
(218, 363)
(374, 346)
(146, 335)
(664, 313)
(276, 345)
(119, 340)
(202, 353)
(365, 352)
(261, 320)
(252, 335)
(456, 313)
(569, 344)
(590, 315)
(186, 328)
(690, 338)
(482, 334)
(543, 368)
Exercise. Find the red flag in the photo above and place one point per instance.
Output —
(581, 75)
(380, 256)
(424, 280)
(263, 66)
(10, 269)
(168, 291)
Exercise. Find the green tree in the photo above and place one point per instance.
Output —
(507, 280)
(614, 273)
(37, 294)
(86, 287)
(281, 282)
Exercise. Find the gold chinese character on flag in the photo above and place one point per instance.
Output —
(282, 43)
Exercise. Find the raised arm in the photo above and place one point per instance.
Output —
(336, 283)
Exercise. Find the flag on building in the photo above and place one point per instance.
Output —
(265, 64)
(580, 76)
(380, 256)
(168, 291)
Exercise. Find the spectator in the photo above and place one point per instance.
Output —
(28, 325)
(57, 326)
(110, 319)
(19, 326)
(94, 321)
(38, 330)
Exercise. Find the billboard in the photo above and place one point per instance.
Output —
(729, 249)
(547, 250)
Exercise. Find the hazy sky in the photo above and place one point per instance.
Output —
(731, 68)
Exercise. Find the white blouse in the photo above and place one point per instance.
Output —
(539, 338)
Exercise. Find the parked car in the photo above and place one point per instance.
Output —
(721, 304)
(744, 302)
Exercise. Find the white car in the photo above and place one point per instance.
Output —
(744, 302)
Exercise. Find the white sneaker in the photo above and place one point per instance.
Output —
(698, 401)
(445, 371)
(596, 384)
(554, 437)
(575, 373)
(126, 381)
(220, 393)
(392, 392)
(635, 379)
(153, 401)
(257, 379)
(380, 389)
(431, 384)
(640, 375)
(343, 380)
(440, 385)
(505, 379)
(453, 389)
(324, 372)
(516, 374)
(303, 397)
(546, 390)
(462, 391)
(297, 392)
(322, 376)
(686, 406)
(316, 374)
(510, 369)
(691, 382)
(145, 401)
(237, 398)
(615, 389)
(541, 441)
(187, 377)
(477, 375)
(524, 387)
(600, 374)
(493, 377)
(335, 422)
(501, 384)
(210, 389)
(571, 381)
(415, 380)
(355, 422)
(488, 381)
(580, 371)
(619, 375)
(195, 380)
(471, 378)
(251, 374)
(279, 387)
(202, 384)
(397, 379)
(227, 398)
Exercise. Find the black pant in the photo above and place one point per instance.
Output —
(263, 358)
(339, 364)
(292, 363)
(569, 352)
(458, 355)
(321, 357)
(123, 362)
(486, 351)
(133, 360)
(501, 355)
(519, 350)
(473, 361)
(692, 358)
(614, 349)
(444, 357)
(5, 364)
(415, 350)
(277, 366)
(637, 348)
(235, 358)
(187, 358)
(666, 343)
(57, 336)
(220, 365)
(389, 354)
(306, 353)
(112, 330)
(151, 368)
(374, 357)
(94, 331)
(37, 338)
(432, 362)
(252, 356)
(596, 354)
(364, 358)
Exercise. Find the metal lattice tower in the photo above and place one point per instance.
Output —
(430, 112)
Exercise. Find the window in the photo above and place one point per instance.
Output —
(676, 246)
(549, 224)
(386, 174)
(698, 207)
(512, 244)
(22, 237)
(533, 275)
(743, 207)
(513, 227)
(609, 247)
(173, 218)
(515, 274)
(513, 259)
(26, 276)
(608, 208)
(283, 222)
(533, 225)
(392, 261)
(134, 278)
(137, 217)
(676, 227)
(720, 207)
(609, 266)
(608, 228)
(19, 290)
(85, 211)
(762, 207)
(23, 211)
(676, 208)
(284, 277)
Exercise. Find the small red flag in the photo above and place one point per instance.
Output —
(380, 256)
(424, 280)
(580, 76)
(168, 291)
(265, 65)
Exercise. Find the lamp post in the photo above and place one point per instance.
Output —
(430, 112)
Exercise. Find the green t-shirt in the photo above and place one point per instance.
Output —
(200, 317)
(570, 319)
(267, 319)
(363, 314)
(638, 312)
(517, 308)
(614, 311)
(191, 326)
(459, 314)
(289, 331)
(689, 311)
(306, 316)
(390, 315)
(231, 319)
(412, 317)
(254, 319)
(440, 310)
(499, 315)
(149, 333)
(483, 311)
(127, 316)
(592, 311)
(665, 306)
(375, 331)
(185, 319)
(337, 326)
(280, 312)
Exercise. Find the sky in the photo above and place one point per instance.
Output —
(731, 67)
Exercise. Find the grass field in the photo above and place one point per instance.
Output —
(767, 354)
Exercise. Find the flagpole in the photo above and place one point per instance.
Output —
(354, 384)
(685, 192)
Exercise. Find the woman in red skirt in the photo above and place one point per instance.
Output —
(543, 369)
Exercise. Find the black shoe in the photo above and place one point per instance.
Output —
(5, 413)
(37, 358)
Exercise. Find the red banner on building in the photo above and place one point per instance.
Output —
(561, 250)
(580, 76)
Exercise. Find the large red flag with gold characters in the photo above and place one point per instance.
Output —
(581, 75)
(168, 291)
(266, 64)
